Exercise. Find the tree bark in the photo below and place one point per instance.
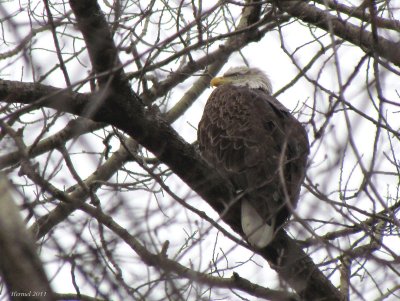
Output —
(20, 265)
(356, 35)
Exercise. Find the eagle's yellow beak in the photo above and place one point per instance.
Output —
(217, 81)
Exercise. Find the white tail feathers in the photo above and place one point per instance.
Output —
(258, 233)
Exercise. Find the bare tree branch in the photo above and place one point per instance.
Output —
(162, 261)
(20, 265)
(345, 30)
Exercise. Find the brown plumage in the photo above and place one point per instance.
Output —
(254, 141)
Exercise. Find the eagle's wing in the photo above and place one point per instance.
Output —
(254, 141)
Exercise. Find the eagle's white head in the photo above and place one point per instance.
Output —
(243, 76)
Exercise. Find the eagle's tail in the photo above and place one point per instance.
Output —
(258, 233)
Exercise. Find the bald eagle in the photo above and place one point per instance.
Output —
(255, 142)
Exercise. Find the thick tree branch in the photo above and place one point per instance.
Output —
(358, 36)
(20, 265)
(360, 13)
